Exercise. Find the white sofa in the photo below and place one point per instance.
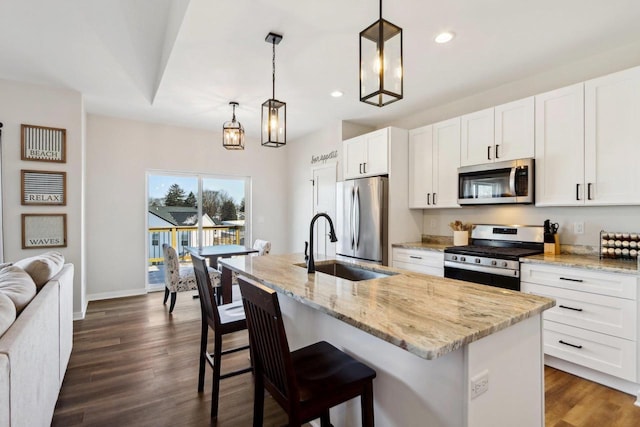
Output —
(34, 353)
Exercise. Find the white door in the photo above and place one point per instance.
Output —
(514, 130)
(355, 156)
(446, 154)
(324, 200)
(477, 135)
(420, 166)
(612, 135)
(560, 147)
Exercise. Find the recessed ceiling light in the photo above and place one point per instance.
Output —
(336, 94)
(444, 37)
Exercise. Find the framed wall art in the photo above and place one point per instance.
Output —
(44, 231)
(43, 188)
(43, 144)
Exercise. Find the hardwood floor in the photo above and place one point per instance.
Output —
(133, 364)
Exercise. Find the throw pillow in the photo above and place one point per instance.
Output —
(43, 267)
(18, 286)
(7, 313)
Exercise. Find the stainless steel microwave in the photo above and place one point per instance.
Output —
(497, 183)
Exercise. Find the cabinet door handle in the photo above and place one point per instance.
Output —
(570, 308)
(488, 152)
(428, 198)
(577, 191)
(434, 199)
(497, 156)
(415, 257)
(360, 168)
(572, 280)
(569, 344)
(589, 185)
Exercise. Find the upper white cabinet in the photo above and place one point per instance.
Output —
(434, 158)
(612, 136)
(587, 142)
(502, 133)
(366, 155)
(560, 147)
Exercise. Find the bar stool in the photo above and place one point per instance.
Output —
(223, 319)
(305, 382)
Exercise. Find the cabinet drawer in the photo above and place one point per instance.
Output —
(427, 262)
(604, 353)
(418, 268)
(612, 284)
(599, 313)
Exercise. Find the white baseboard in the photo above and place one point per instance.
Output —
(79, 315)
(156, 288)
(116, 294)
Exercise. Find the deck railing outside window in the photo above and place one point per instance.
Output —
(181, 237)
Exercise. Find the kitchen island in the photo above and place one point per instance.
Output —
(428, 338)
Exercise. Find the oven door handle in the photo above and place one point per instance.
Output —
(512, 182)
(483, 269)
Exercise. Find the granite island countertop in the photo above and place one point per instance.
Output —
(426, 315)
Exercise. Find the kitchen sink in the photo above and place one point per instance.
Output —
(348, 271)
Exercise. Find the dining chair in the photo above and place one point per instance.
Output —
(306, 382)
(222, 319)
(181, 278)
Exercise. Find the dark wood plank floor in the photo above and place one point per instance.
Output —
(133, 364)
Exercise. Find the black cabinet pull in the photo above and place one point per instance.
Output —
(488, 152)
(415, 257)
(569, 344)
(434, 199)
(577, 191)
(589, 185)
(570, 308)
(360, 168)
(571, 280)
(428, 198)
(364, 167)
(497, 156)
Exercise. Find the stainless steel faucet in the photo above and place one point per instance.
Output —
(311, 266)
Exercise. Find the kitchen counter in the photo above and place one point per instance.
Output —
(591, 262)
(426, 315)
(435, 247)
(428, 338)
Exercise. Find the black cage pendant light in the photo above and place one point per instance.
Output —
(274, 112)
(233, 132)
(381, 68)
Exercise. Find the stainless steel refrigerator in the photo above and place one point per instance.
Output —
(361, 221)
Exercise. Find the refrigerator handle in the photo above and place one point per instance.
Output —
(356, 221)
(351, 236)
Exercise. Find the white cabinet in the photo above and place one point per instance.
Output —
(366, 155)
(587, 147)
(502, 133)
(420, 261)
(434, 158)
(612, 136)
(595, 321)
(560, 147)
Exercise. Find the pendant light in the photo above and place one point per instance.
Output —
(233, 132)
(274, 112)
(381, 68)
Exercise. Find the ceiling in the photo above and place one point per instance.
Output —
(182, 61)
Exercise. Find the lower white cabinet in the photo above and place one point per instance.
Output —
(595, 320)
(420, 261)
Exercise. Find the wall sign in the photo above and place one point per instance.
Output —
(44, 231)
(43, 144)
(324, 157)
(44, 188)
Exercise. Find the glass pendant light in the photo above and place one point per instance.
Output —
(381, 72)
(233, 132)
(274, 112)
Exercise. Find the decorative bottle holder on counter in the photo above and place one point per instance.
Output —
(616, 245)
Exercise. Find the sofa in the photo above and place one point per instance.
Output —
(35, 349)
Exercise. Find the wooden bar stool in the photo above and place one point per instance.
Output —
(223, 319)
(306, 382)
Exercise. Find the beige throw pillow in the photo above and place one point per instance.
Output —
(7, 313)
(18, 286)
(43, 267)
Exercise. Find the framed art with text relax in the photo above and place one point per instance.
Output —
(44, 231)
(43, 188)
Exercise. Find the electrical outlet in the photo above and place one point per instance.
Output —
(479, 384)
(578, 227)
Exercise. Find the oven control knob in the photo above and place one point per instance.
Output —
(463, 259)
(454, 257)
(477, 260)
(504, 263)
(494, 262)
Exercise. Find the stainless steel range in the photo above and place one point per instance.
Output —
(493, 256)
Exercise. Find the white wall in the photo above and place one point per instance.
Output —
(120, 152)
(435, 222)
(22, 103)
